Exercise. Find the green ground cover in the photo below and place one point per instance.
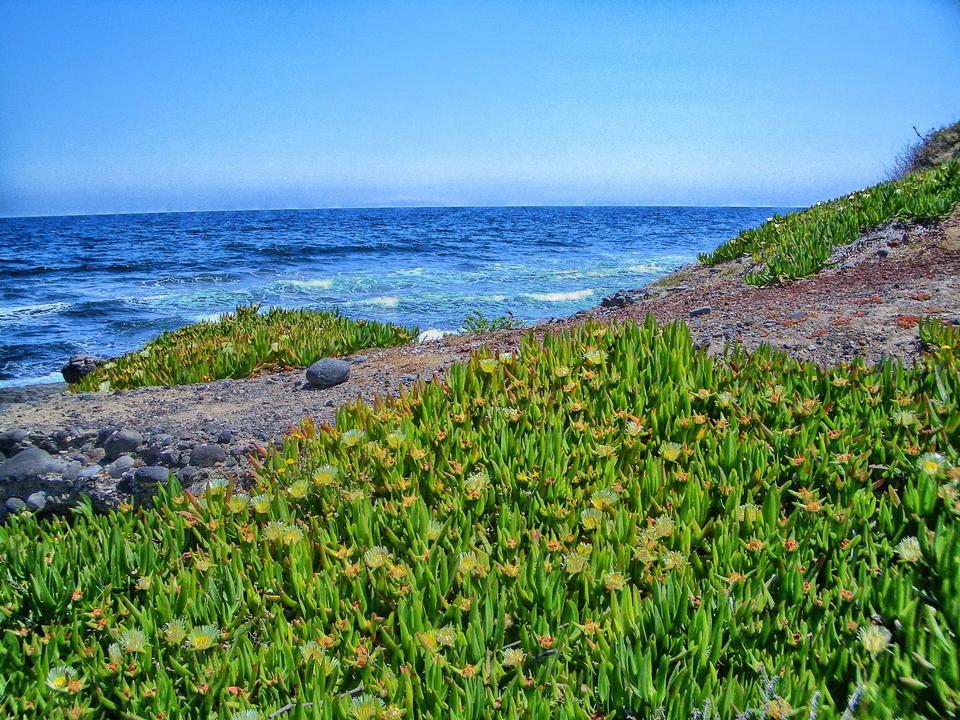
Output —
(796, 245)
(609, 524)
(241, 343)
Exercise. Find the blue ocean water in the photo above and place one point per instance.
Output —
(104, 284)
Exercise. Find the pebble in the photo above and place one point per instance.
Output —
(697, 312)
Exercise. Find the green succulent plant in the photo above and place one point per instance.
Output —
(796, 245)
(654, 535)
(239, 344)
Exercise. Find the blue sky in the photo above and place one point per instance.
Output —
(141, 106)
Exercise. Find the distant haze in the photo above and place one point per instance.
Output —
(141, 106)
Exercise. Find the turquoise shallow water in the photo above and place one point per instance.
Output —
(104, 284)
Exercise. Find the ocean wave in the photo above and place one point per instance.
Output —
(570, 296)
(25, 311)
(387, 301)
(311, 284)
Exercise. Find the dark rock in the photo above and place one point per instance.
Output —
(169, 457)
(328, 372)
(697, 312)
(80, 366)
(152, 475)
(29, 464)
(187, 473)
(797, 315)
(119, 466)
(15, 505)
(883, 252)
(13, 440)
(71, 470)
(357, 359)
(224, 436)
(122, 442)
(622, 298)
(89, 472)
(204, 456)
(37, 501)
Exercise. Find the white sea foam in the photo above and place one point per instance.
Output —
(571, 296)
(24, 311)
(433, 334)
(53, 377)
(649, 267)
(387, 301)
(206, 317)
(311, 284)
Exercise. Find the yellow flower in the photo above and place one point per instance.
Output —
(663, 527)
(325, 475)
(670, 451)
(365, 707)
(299, 489)
(395, 439)
(311, 651)
(488, 365)
(603, 499)
(591, 518)
(203, 637)
(595, 357)
(909, 550)
(561, 371)
(777, 708)
(575, 563)
(932, 463)
(614, 581)
(59, 678)
(175, 632)
(261, 504)
(874, 638)
(238, 503)
(352, 437)
(376, 557)
(514, 657)
(133, 640)
(476, 484)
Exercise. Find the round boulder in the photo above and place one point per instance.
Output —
(204, 456)
(327, 372)
(30, 463)
(122, 442)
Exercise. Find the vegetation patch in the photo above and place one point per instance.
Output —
(607, 524)
(241, 343)
(796, 245)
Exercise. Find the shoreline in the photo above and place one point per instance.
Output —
(866, 305)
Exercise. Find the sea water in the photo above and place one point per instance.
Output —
(104, 284)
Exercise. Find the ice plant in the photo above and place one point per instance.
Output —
(433, 553)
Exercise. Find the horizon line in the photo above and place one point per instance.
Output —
(391, 207)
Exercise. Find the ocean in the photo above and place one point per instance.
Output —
(104, 284)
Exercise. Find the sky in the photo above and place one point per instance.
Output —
(155, 106)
